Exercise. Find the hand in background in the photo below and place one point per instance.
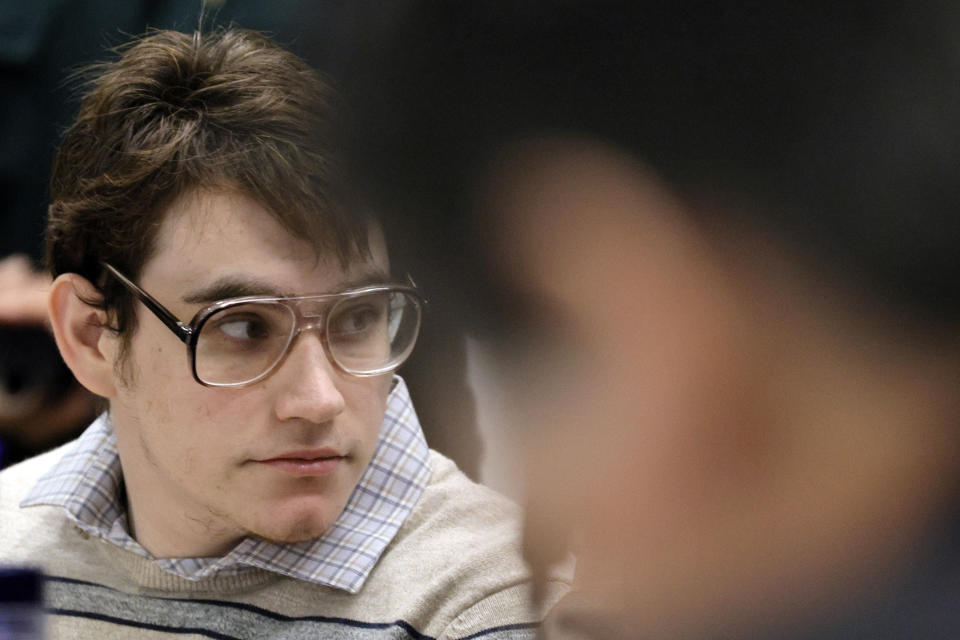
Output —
(23, 292)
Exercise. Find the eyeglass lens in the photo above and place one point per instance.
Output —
(365, 334)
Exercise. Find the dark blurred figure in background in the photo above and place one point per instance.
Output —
(41, 43)
(716, 246)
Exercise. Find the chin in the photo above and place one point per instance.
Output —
(297, 532)
(297, 527)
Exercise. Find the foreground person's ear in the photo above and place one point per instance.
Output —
(81, 333)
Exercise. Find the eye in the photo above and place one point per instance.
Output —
(244, 326)
(356, 318)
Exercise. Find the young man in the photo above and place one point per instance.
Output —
(259, 471)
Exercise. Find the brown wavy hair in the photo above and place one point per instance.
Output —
(175, 112)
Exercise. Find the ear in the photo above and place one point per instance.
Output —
(87, 346)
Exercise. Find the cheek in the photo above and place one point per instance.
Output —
(181, 423)
(366, 404)
(366, 398)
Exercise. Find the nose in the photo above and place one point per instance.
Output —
(307, 384)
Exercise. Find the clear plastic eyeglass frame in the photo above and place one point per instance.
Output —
(189, 333)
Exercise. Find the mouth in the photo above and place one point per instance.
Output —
(318, 462)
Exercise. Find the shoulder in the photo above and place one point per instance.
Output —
(29, 535)
(464, 523)
(451, 495)
(459, 556)
(16, 481)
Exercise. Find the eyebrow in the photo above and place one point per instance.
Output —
(243, 286)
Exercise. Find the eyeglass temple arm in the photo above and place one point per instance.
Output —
(173, 323)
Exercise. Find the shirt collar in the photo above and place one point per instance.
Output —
(88, 483)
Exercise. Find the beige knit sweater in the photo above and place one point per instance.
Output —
(452, 571)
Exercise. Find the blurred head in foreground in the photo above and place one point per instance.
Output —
(718, 243)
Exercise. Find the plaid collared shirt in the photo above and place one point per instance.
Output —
(87, 483)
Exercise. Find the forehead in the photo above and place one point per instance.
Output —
(211, 235)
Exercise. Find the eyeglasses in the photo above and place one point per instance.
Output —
(239, 341)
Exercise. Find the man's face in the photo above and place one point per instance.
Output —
(208, 465)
